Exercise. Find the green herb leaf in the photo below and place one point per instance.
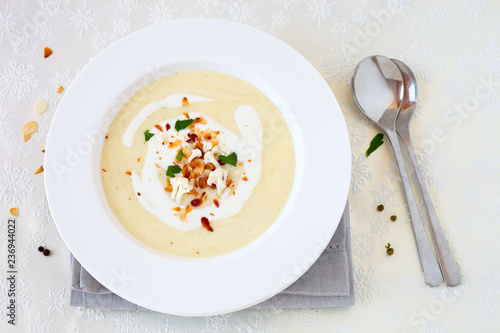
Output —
(179, 155)
(229, 159)
(172, 170)
(148, 135)
(375, 143)
(182, 124)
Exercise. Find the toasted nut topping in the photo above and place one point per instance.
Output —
(40, 170)
(14, 211)
(40, 107)
(174, 144)
(196, 202)
(185, 102)
(60, 89)
(28, 129)
(46, 52)
(206, 224)
(159, 128)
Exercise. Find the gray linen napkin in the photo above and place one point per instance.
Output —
(328, 283)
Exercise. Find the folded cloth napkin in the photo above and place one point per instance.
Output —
(328, 283)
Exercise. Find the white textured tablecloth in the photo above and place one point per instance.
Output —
(453, 47)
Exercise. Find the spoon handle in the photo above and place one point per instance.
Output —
(432, 272)
(448, 264)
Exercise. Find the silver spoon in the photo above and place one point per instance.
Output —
(378, 89)
(448, 264)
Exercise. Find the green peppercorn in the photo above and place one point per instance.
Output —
(380, 208)
(390, 250)
(394, 218)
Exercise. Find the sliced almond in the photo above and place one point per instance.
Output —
(40, 107)
(60, 89)
(40, 170)
(14, 211)
(29, 128)
(46, 52)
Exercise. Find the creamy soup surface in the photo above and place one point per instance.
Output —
(235, 151)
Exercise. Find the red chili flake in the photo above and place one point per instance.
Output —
(216, 202)
(212, 214)
(159, 128)
(138, 194)
(43, 151)
(167, 126)
(106, 136)
(206, 224)
(249, 161)
(195, 202)
(192, 138)
(245, 178)
(104, 170)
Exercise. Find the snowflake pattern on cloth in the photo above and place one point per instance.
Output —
(458, 94)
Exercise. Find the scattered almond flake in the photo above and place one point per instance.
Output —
(29, 128)
(185, 102)
(174, 144)
(128, 173)
(46, 52)
(245, 178)
(159, 128)
(40, 170)
(40, 107)
(14, 212)
(103, 170)
(60, 89)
